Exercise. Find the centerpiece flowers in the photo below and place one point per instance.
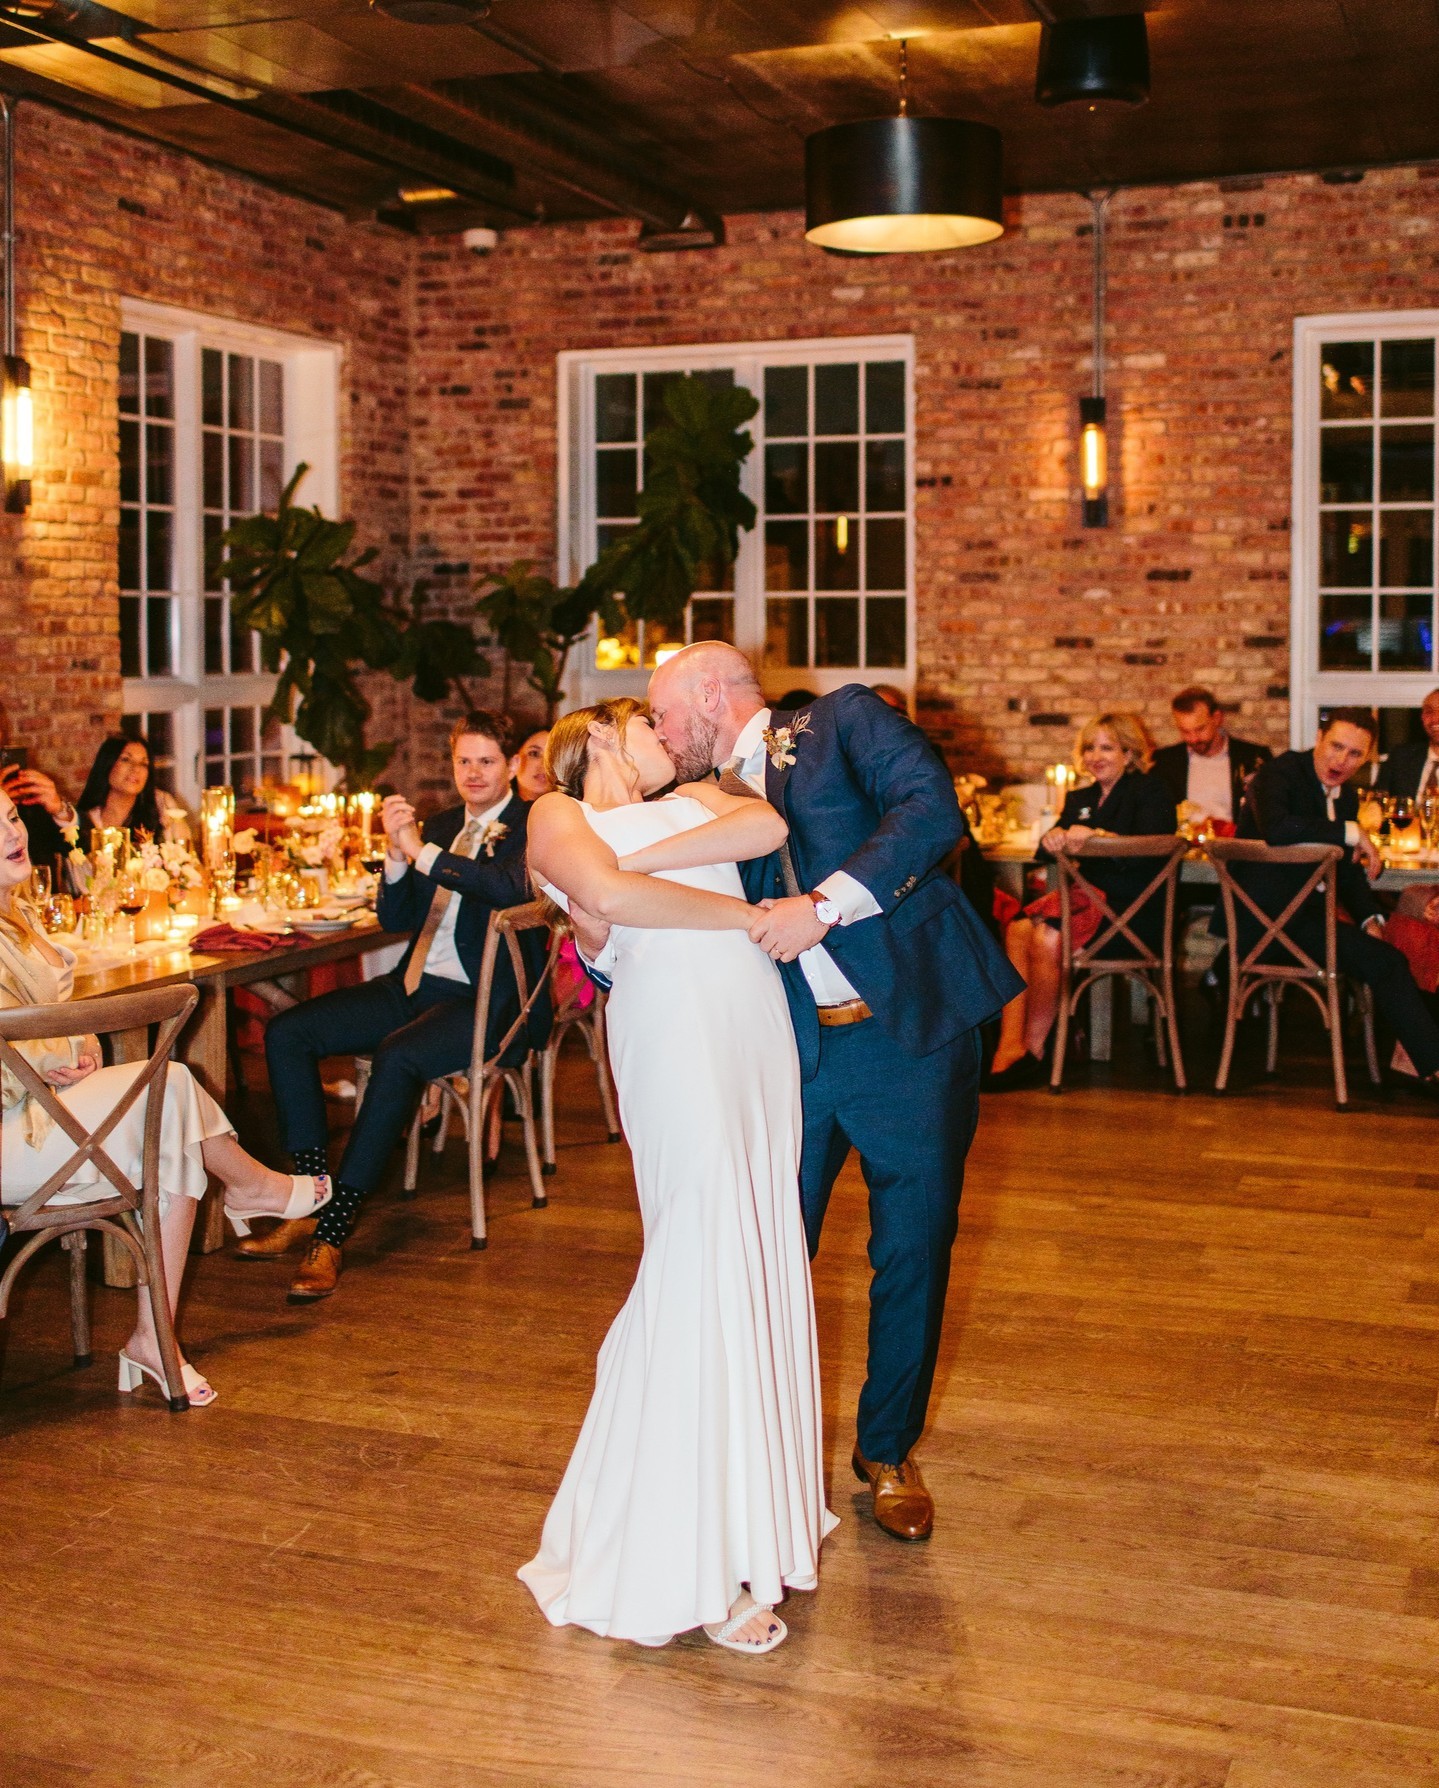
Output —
(315, 843)
(164, 868)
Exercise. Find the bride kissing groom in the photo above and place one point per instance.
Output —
(788, 962)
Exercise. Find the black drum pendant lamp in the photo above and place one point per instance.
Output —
(894, 186)
(1093, 60)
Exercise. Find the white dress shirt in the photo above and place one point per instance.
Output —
(854, 900)
(443, 959)
(1431, 768)
(1210, 786)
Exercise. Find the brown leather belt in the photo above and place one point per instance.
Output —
(847, 1012)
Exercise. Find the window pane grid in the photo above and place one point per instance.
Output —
(242, 471)
(1376, 505)
(834, 514)
(148, 618)
(627, 406)
(242, 748)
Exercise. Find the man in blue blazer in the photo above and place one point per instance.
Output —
(417, 1022)
(889, 973)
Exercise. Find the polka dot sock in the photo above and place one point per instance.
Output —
(338, 1217)
(314, 1161)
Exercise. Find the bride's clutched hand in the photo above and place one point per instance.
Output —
(85, 1066)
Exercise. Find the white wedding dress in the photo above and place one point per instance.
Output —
(698, 1467)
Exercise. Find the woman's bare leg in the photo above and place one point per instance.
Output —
(1013, 1019)
(176, 1222)
(254, 1186)
(1043, 976)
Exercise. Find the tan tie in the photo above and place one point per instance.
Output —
(462, 847)
(731, 782)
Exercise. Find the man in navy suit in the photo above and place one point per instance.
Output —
(418, 1021)
(889, 973)
(1411, 769)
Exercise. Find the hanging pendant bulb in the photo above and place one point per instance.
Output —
(903, 185)
(1093, 60)
(1094, 461)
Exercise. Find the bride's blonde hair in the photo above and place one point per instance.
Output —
(568, 754)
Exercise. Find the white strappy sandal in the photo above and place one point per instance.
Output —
(745, 1610)
(308, 1194)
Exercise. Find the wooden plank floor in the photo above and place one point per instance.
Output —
(1183, 1449)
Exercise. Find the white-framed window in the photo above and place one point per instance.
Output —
(822, 590)
(214, 417)
(1363, 582)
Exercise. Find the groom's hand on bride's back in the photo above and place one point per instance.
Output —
(785, 929)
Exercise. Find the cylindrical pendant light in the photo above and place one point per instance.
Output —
(1092, 60)
(903, 185)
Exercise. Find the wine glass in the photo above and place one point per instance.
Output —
(132, 897)
(40, 882)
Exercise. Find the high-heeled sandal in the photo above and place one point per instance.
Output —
(724, 1634)
(199, 1390)
(309, 1192)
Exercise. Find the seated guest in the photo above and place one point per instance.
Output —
(1209, 767)
(120, 791)
(43, 811)
(1307, 797)
(1125, 799)
(528, 776)
(1412, 769)
(196, 1138)
(418, 1021)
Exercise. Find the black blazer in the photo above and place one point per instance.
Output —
(1400, 772)
(1138, 805)
(484, 883)
(1286, 805)
(1171, 766)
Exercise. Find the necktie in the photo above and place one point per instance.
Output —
(462, 847)
(733, 783)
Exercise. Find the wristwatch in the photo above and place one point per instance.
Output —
(825, 909)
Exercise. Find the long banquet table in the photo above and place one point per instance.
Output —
(203, 1042)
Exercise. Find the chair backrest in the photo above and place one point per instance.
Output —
(506, 925)
(1321, 860)
(167, 1008)
(1168, 847)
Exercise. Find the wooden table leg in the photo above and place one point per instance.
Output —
(202, 1049)
(118, 1263)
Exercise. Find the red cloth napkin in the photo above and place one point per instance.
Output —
(1419, 940)
(232, 937)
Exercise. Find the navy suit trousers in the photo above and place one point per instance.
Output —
(911, 1119)
(412, 1037)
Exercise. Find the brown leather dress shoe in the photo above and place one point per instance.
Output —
(903, 1507)
(278, 1240)
(319, 1273)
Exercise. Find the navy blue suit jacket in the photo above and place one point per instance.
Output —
(867, 794)
(484, 883)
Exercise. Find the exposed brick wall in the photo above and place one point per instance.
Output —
(1022, 614)
(102, 215)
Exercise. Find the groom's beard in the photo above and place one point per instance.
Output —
(694, 760)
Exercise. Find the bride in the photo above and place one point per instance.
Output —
(694, 1495)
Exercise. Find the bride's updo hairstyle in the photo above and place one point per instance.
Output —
(568, 754)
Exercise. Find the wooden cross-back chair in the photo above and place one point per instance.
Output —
(589, 1020)
(1082, 965)
(485, 1072)
(1293, 965)
(119, 1208)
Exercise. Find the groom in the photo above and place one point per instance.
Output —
(889, 974)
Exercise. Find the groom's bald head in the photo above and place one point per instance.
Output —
(700, 700)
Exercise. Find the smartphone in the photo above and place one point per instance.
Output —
(14, 757)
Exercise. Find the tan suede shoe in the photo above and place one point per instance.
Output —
(278, 1240)
(319, 1273)
(903, 1507)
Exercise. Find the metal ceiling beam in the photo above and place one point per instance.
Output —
(559, 152)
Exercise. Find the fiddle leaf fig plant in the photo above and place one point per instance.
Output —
(691, 511)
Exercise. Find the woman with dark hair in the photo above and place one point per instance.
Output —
(120, 791)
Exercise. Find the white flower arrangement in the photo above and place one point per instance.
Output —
(161, 867)
(312, 845)
(490, 837)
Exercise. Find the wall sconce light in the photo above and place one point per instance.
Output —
(1093, 436)
(17, 417)
(1094, 462)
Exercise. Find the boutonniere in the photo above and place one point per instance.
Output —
(779, 741)
(1085, 812)
(491, 836)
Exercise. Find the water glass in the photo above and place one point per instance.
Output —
(58, 913)
(40, 882)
